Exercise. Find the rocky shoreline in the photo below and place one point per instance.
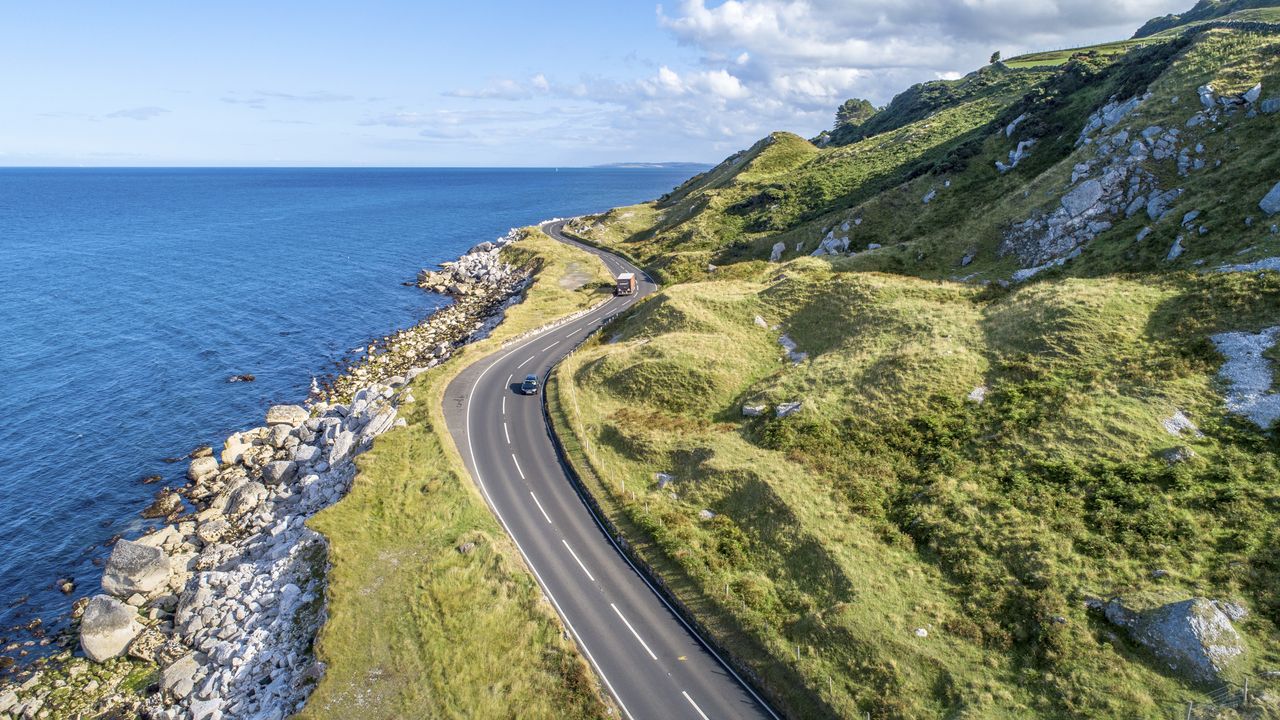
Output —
(213, 615)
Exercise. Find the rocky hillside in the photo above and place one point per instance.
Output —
(990, 426)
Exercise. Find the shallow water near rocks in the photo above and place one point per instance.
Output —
(129, 297)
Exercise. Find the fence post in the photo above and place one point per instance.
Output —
(1245, 702)
(1191, 704)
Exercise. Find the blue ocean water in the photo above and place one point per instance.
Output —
(128, 297)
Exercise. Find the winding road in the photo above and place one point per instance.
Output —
(647, 657)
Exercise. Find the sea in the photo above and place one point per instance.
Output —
(129, 297)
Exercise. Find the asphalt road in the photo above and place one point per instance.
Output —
(651, 662)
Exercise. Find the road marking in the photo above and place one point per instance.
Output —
(517, 462)
(504, 432)
(509, 378)
(544, 512)
(550, 346)
(504, 404)
(695, 705)
(584, 567)
(546, 589)
(526, 362)
(633, 632)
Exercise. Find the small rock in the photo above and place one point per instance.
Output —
(787, 409)
(752, 410)
(705, 514)
(978, 394)
(167, 502)
(66, 585)
(467, 548)
(243, 377)
(921, 633)
(664, 479)
(1177, 455)
(1251, 96)
(775, 255)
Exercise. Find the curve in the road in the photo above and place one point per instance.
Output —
(649, 659)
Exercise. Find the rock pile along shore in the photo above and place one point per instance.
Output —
(226, 599)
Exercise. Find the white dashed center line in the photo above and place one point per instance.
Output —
(544, 512)
(517, 462)
(504, 404)
(575, 557)
(504, 432)
(509, 378)
(633, 632)
(526, 362)
(550, 346)
(695, 705)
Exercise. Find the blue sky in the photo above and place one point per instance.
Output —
(486, 82)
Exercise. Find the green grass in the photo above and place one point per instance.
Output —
(415, 628)
(1053, 58)
(890, 503)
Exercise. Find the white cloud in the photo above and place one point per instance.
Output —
(138, 113)
(766, 65)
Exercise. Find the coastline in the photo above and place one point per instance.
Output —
(231, 589)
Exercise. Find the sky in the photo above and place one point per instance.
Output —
(484, 82)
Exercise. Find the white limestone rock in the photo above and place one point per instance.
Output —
(135, 568)
(291, 415)
(107, 627)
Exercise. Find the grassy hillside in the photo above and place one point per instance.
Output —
(417, 628)
(1209, 10)
(988, 431)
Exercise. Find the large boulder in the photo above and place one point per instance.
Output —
(279, 472)
(179, 677)
(246, 498)
(341, 448)
(291, 415)
(1271, 203)
(202, 468)
(234, 448)
(107, 628)
(135, 568)
(1195, 637)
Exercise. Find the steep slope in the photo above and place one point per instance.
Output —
(1205, 10)
(916, 407)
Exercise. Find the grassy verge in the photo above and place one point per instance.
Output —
(417, 628)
